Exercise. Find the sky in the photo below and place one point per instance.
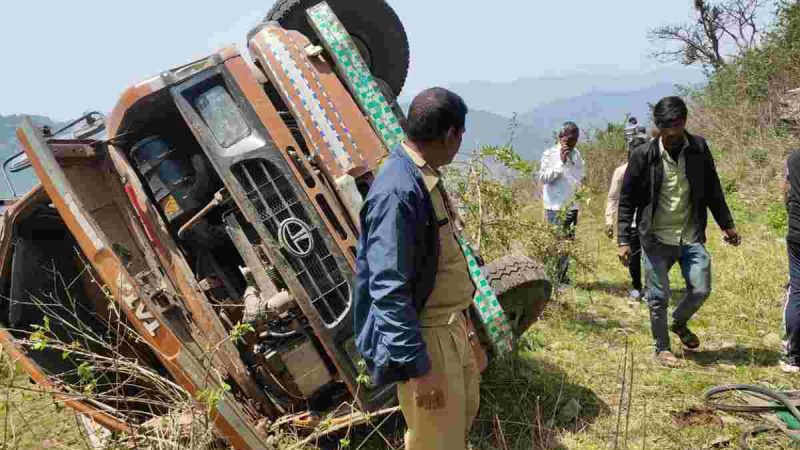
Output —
(63, 58)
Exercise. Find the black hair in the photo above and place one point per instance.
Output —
(433, 113)
(669, 110)
(569, 128)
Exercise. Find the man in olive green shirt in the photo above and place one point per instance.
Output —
(673, 223)
(669, 186)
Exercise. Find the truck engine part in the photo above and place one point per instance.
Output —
(219, 198)
(300, 364)
(373, 25)
(280, 303)
(254, 305)
(178, 182)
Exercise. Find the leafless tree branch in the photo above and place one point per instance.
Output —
(717, 27)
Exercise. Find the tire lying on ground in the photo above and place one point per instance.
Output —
(522, 288)
(373, 24)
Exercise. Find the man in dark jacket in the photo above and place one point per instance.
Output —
(789, 113)
(669, 186)
(790, 362)
(413, 285)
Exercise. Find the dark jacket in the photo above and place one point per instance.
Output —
(641, 187)
(398, 253)
(793, 197)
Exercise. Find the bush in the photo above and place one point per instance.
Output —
(777, 219)
(501, 214)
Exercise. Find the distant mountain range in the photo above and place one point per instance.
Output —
(597, 108)
(526, 94)
(541, 105)
(535, 128)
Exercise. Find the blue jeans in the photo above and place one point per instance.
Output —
(695, 266)
(568, 232)
(791, 311)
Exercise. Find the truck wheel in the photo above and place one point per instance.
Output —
(373, 25)
(522, 288)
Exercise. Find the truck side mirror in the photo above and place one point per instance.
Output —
(95, 123)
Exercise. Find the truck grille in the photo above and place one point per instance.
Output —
(274, 200)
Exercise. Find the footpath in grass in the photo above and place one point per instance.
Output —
(563, 389)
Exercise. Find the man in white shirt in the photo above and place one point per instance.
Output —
(561, 173)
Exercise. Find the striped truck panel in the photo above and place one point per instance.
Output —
(283, 59)
(355, 73)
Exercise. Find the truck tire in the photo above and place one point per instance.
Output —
(373, 25)
(522, 288)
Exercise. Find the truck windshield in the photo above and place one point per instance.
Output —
(222, 116)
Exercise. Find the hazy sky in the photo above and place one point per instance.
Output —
(61, 58)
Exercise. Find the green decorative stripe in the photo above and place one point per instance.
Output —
(364, 88)
(488, 306)
(356, 74)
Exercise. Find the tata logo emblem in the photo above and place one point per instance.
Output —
(295, 236)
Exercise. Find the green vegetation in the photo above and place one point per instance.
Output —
(34, 420)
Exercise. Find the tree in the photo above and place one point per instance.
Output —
(718, 28)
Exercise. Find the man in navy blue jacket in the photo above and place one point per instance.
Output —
(413, 286)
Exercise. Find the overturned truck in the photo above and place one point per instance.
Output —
(217, 219)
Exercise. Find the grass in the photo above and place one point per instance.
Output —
(564, 387)
(33, 420)
(576, 352)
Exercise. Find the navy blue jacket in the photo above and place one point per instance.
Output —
(398, 253)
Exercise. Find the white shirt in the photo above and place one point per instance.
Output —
(561, 180)
(612, 202)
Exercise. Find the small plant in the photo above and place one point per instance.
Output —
(759, 156)
(211, 396)
(363, 378)
(240, 330)
(39, 338)
(777, 219)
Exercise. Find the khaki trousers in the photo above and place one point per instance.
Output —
(452, 358)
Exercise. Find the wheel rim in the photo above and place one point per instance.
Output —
(363, 49)
(523, 304)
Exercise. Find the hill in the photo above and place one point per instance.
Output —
(531, 93)
(597, 108)
(591, 100)
(486, 128)
(533, 132)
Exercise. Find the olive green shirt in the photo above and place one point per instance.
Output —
(453, 290)
(674, 223)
